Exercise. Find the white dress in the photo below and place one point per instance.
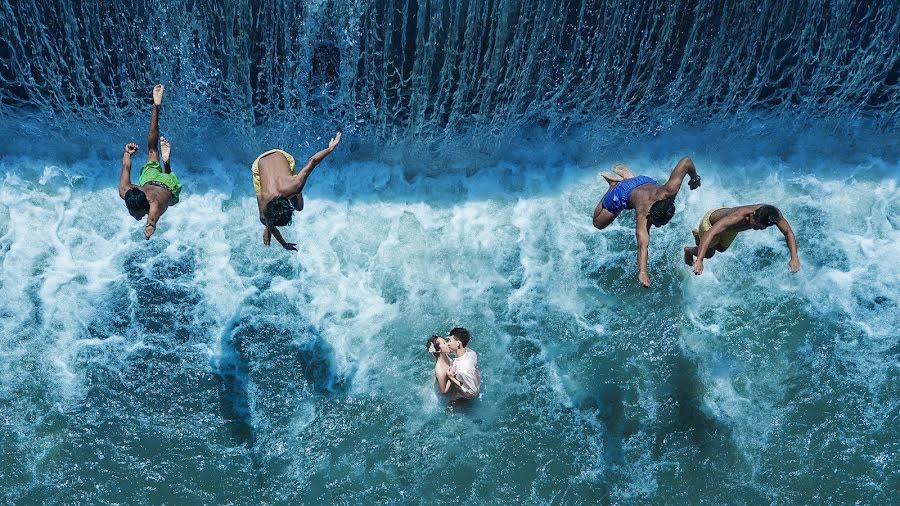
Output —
(469, 376)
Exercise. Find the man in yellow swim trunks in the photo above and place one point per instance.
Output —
(719, 227)
(159, 187)
(278, 189)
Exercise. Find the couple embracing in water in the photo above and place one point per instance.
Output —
(458, 377)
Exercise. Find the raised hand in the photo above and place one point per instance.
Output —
(131, 148)
(334, 141)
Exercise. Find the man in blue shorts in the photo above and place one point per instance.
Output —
(654, 203)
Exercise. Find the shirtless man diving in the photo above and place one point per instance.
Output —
(158, 187)
(719, 228)
(279, 190)
(653, 203)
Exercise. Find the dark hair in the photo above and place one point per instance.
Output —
(767, 215)
(461, 335)
(136, 200)
(432, 344)
(662, 211)
(279, 212)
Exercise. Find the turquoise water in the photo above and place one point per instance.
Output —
(202, 367)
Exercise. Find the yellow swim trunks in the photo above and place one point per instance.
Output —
(723, 240)
(255, 168)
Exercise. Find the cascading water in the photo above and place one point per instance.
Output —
(426, 70)
(202, 367)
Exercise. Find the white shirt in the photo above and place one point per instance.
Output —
(468, 375)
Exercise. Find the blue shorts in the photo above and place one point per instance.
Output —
(616, 200)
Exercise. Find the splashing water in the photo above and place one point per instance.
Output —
(202, 367)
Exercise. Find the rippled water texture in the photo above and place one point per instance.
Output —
(428, 71)
(202, 368)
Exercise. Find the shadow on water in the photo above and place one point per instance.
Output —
(265, 367)
(165, 290)
(233, 399)
(608, 403)
(272, 370)
(315, 358)
(684, 392)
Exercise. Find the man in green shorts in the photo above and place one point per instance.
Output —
(159, 187)
(719, 228)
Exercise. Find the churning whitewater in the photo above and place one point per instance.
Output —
(202, 367)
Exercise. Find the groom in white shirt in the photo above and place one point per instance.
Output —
(463, 373)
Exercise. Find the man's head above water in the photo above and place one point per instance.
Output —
(459, 338)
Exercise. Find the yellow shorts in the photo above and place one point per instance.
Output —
(723, 240)
(255, 167)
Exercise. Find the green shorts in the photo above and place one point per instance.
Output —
(152, 172)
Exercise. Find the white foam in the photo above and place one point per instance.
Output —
(384, 259)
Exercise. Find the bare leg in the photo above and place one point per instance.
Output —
(153, 141)
(165, 150)
(691, 251)
(611, 179)
(602, 217)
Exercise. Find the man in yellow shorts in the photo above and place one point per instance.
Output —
(719, 228)
(278, 189)
(158, 186)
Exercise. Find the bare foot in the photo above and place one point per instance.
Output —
(611, 178)
(688, 256)
(623, 171)
(165, 148)
(158, 94)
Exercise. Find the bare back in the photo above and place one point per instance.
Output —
(157, 196)
(275, 179)
(742, 214)
(441, 367)
(644, 196)
(440, 371)
(274, 174)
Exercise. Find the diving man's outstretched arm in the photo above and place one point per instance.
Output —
(718, 227)
(316, 159)
(269, 232)
(785, 227)
(642, 232)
